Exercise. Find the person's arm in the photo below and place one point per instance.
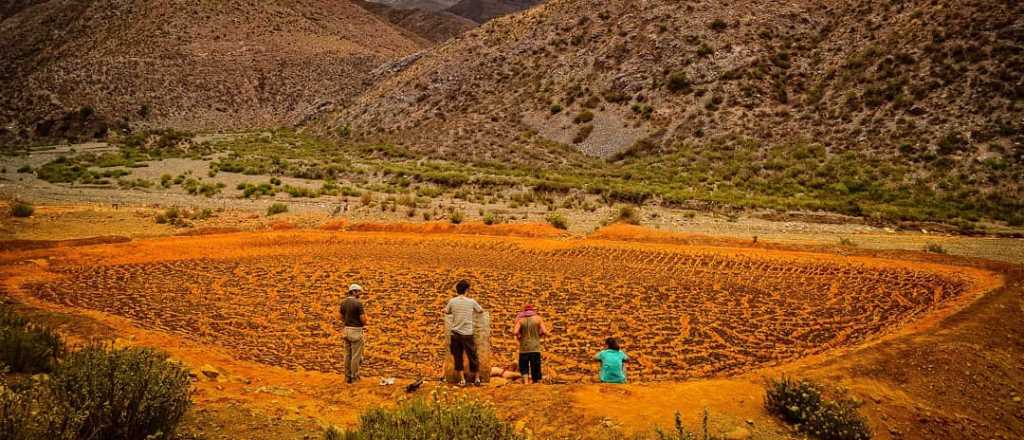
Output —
(543, 327)
(362, 314)
(448, 308)
(477, 308)
(625, 357)
(515, 331)
(597, 357)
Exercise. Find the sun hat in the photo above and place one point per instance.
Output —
(355, 288)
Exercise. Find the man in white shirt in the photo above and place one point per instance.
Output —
(463, 310)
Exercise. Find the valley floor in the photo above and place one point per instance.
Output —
(958, 377)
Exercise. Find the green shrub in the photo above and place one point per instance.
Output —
(801, 402)
(127, 393)
(277, 208)
(22, 209)
(628, 214)
(25, 169)
(583, 117)
(491, 218)
(678, 82)
(456, 217)
(844, 241)
(556, 109)
(33, 413)
(419, 419)
(25, 347)
(718, 25)
(558, 220)
(934, 248)
(583, 133)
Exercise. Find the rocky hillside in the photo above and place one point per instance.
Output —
(848, 74)
(935, 85)
(434, 26)
(482, 11)
(194, 65)
(426, 5)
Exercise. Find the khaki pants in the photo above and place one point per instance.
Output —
(353, 352)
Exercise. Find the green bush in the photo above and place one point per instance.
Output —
(678, 82)
(420, 419)
(628, 214)
(491, 218)
(456, 217)
(277, 208)
(127, 393)
(33, 413)
(801, 402)
(556, 108)
(558, 220)
(934, 248)
(22, 209)
(583, 117)
(25, 347)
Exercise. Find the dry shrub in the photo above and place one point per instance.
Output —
(22, 209)
(420, 419)
(802, 403)
(336, 225)
(129, 393)
(25, 347)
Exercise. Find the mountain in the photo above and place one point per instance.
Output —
(229, 64)
(432, 25)
(849, 74)
(426, 5)
(932, 87)
(482, 11)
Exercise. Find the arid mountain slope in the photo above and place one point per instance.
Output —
(194, 65)
(936, 84)
(426, 5)
(434, 26)
(482, 11)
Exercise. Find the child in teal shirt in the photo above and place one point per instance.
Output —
(612, 359)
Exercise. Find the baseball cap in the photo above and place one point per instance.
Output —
(355, 287)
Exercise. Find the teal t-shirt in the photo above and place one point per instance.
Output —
(612, 370)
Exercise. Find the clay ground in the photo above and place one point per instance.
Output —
(956, 372)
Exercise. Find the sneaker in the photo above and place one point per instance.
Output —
(462, 383)
(477, 383)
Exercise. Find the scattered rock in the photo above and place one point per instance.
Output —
(209, 371)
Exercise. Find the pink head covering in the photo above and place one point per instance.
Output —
(527, 312)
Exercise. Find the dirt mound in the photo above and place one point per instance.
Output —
(531, 230)
(191, 65)
(27, 245)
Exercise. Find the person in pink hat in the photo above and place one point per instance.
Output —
(528, 331)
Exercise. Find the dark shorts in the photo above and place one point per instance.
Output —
(529, 363)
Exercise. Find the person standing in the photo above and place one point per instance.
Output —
(354, 318)
(528, 331)
(612, 360)
(463, 310)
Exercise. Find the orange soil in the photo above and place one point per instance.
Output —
(243, 301)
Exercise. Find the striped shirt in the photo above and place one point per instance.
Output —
(462, 309)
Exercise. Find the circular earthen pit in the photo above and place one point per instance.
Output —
(680, 311)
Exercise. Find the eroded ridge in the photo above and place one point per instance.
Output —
(681, 311)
